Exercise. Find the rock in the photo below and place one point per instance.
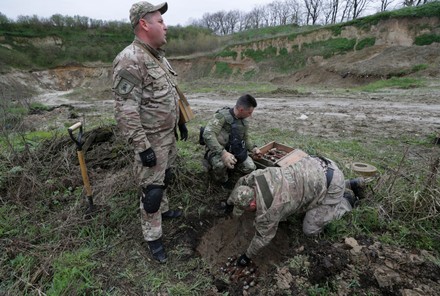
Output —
(415, 292)
(386, 277)
(284, 278)
(353, 245)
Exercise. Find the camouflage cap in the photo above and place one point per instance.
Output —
(241, 197)
(139, 9)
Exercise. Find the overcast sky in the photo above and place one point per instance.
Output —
(179, 11)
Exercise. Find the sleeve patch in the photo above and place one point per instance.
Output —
(124, 87)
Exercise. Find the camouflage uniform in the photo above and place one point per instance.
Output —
(300, 187)
(146, 110)
(216, 136)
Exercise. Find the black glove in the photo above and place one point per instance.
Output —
(148, 157)
(183, 132)
(243, 260)
(227, 208)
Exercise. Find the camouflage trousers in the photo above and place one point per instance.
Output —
(332, 207)
(220, 172)
(166, 155)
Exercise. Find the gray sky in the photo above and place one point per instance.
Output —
(179, 11)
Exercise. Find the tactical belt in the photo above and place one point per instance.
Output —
(265, 191)
(328, 170)
(329, 175)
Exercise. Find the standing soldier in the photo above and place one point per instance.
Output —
(147, 113)
(313, 185)
(227, 141)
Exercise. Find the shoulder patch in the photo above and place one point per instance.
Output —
(124, 87)
(126, 83)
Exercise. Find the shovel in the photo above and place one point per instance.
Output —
(82, 164)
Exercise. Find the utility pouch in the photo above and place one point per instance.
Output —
(236, 145)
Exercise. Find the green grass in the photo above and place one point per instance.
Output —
(392, 216)
(222, 69)
(73, 271)
(394, 82)
(427, 39)
(366, 42)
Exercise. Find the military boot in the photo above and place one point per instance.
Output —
(170, 214)
(358, 185)
(158, 251)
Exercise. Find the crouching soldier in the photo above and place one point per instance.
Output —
(313, 185)
(227, 141)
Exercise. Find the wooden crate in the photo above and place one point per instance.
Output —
(291, 156)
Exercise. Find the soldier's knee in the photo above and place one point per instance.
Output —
(311, 228)
(311, 231)
(152, 197)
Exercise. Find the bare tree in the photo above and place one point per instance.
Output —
(415, 2)
(209, 21)
(231, 21)
(294, 10)
(280, 12)
(334, 5)
(330, 10)
(313, 8)
(384, 4)
(358, 7)
(346, 11)
(254, 19)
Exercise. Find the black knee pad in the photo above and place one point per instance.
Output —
(152, 197)
(168, 177)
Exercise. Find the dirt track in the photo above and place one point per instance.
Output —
(396, 114)
(392, 114)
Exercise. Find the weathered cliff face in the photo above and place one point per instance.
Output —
(392, 32)
(68, 77)
(59, 79)
(39, 42)
(393, 53)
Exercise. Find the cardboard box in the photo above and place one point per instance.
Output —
(276, 154)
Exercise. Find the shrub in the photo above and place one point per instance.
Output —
(427, 39)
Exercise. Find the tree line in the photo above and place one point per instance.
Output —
(298, 12)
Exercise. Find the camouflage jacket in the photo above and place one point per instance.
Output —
(146, 101)
(295, 188)
(218, 129)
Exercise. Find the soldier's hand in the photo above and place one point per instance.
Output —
(183, 132)
(243, 260)
(256, 153)
(229, 159)
(148, 157)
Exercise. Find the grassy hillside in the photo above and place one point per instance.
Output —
(27, 46)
